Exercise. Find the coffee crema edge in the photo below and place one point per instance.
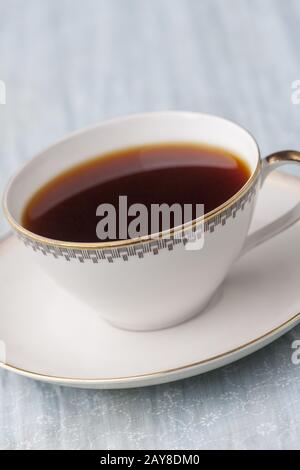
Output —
(138, 247)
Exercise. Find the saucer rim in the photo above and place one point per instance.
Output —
(168, 373)
(282, 328)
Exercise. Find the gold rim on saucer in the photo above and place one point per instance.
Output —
(288, 324)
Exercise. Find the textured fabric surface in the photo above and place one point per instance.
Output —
(67, 64)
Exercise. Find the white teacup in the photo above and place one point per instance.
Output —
(145, 284)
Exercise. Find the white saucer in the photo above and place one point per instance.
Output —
(48, 335)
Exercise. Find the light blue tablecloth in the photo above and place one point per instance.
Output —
(67, 64)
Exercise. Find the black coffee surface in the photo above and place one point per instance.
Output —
(184, 173)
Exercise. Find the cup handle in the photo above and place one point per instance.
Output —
(269, 164)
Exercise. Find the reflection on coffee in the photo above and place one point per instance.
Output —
(170, 173)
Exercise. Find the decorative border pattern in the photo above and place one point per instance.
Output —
(139, 250)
